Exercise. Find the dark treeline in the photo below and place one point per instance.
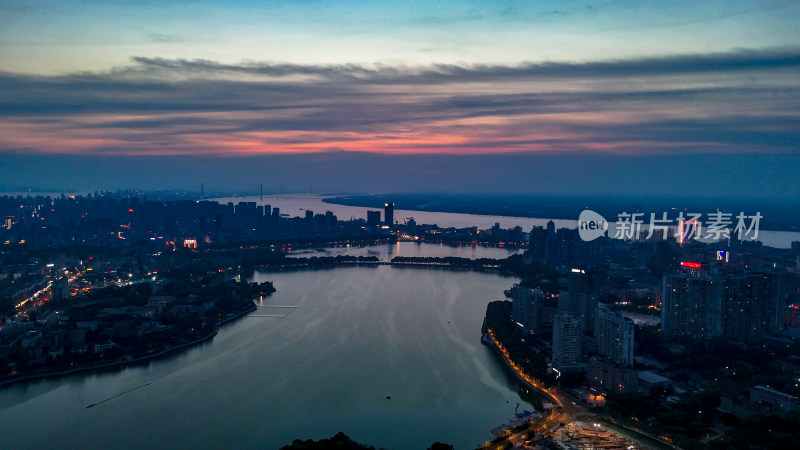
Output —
(280, 260)
(450, 261)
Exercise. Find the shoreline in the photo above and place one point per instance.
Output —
(506, 215)
(335, 265)
(488, 342)
(127, 362)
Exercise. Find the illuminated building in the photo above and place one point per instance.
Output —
(791, 316)
(388, 213)
(579, 301)
(692, 268)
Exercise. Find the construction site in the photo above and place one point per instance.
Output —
(592, 436)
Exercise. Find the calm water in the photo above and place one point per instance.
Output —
(408, 249)
(358, 334)
(296, 205)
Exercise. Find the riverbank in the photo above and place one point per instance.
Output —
(526, 381)
(569, 412)
(782, 218)
(127, 362)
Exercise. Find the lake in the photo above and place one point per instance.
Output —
(357, 335)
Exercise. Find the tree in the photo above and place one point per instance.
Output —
(440, 446)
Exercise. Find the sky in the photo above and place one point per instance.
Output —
(548, 96)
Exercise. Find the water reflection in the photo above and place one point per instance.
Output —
(353, 336)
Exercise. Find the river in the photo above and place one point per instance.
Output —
(296, 205)
(357, 335)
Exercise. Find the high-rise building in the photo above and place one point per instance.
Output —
(579, 300)
(388, 213)
(781, 287)
(691, 307)
(614, 335)
(674, 301)
(739, 306)
(520, 296)
(276, 220)
(539, 244)
(330, 220)
(704, 320)
(527, 306)
(246, 209)
(551, 228)
(567, 343)
(747, 306)
(373, 218)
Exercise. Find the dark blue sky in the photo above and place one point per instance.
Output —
(701, 175)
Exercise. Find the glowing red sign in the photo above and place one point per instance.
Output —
(691, 265)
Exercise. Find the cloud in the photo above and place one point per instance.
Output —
(739, 61)
(736, 102)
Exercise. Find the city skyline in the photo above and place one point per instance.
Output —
(451, 224)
